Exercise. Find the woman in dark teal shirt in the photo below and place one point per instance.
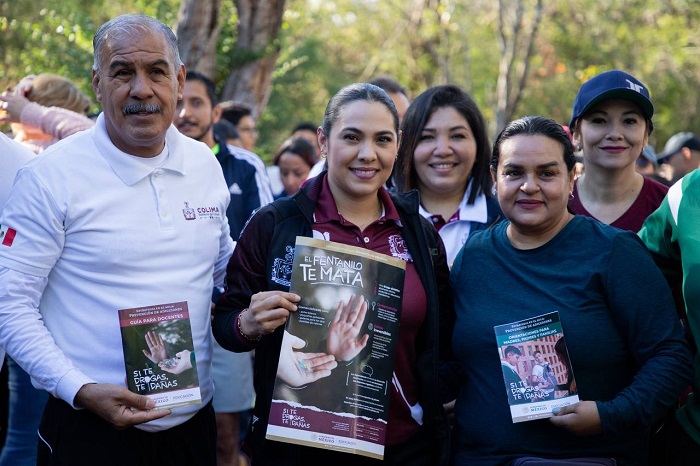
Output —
(626, 347)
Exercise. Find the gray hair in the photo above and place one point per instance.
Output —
(132, 24)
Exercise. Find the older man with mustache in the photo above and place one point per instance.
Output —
(129, 214)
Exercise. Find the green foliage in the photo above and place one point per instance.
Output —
(651, 39)
(58, 37)
(299, 94)
(305, 78)
(326, 44)
(47, 40)
(227, 40)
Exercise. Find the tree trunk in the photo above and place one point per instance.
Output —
(197, 34)
(255, 53)
(517, 48)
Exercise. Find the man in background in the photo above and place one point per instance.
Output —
(396, 91)
(682, 153)
(245, 173)
(241, 115)
(307, 130)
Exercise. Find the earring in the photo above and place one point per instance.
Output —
(493, 190)
(578, 147)
(571, 195)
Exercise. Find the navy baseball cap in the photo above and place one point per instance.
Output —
(613, 84)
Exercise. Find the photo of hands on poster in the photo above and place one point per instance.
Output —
(159, 355)
(336, 361)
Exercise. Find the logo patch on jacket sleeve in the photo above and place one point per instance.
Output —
(282, 268)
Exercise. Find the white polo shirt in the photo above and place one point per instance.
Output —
(456, 229)
(104, 231)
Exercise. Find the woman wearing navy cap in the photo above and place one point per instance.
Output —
(611, 124)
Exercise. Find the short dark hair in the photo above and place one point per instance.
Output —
(389, 84)
(353, 93)
(305, 126)
(225, 130)
(233, 111)
(208, 84)
(413, 123)
(533, 126)
(512, 349)
(298, 146)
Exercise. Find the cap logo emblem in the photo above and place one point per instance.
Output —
(635, 87)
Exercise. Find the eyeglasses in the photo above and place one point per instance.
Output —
(248, 130)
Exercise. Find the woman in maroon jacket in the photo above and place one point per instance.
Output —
(347, 204)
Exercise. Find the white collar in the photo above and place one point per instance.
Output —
(477, 212)
(131, 171)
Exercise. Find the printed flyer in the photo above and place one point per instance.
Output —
(335, 371)
(536, 367)
(159, 354)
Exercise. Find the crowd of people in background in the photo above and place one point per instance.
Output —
(582, 217)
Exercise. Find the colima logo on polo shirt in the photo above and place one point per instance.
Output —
(201, 212)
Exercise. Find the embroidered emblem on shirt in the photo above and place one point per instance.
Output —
(235, 189)
(188, 212)
(398, 248)
(282, 268)
(322, 235)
